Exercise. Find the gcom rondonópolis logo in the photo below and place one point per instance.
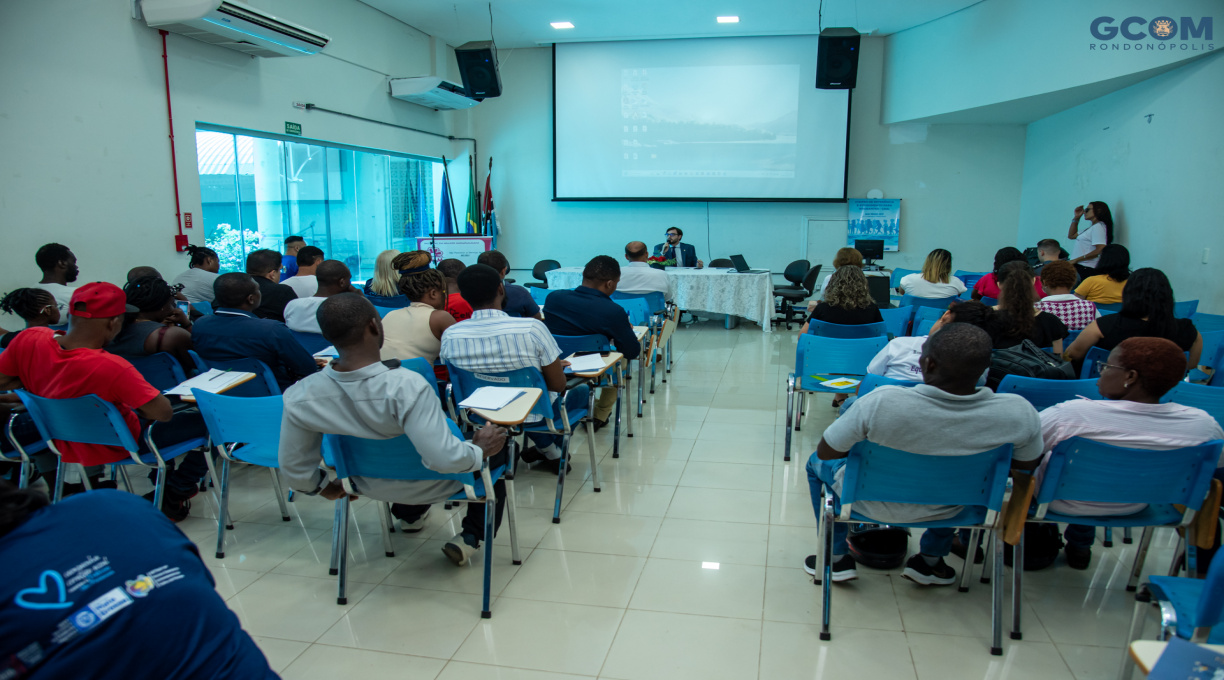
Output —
(1135, 34)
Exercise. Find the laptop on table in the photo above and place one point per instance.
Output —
(742, 267)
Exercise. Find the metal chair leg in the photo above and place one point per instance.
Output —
(616, 419)
(1107, 541)
(57, 494)
(386, 507)
(333, 568)
(827, 562)
(280, 494)
(802, 410)
(1145, 540)
(988, 564)
(1143, 602)
(388, 549)
(1179, 556)
(790, 409)
(490, 512)
(996, 599)
(223, 508)
(591, 449)
(212, 473)
(342, 567)
(511, 507)
(1126, 536)
(1017, 570)
(970, 553)
(821, 525)
(561, 478)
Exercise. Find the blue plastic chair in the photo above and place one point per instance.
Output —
(311, 342)
(837, 330)
(91, 420)
(20, 455)
(921, 314)
(1112, 308)
(388, 302)
(1190, 608)
(872, 381)
(637, 309)
(1185, 309)
(202, 307)
(878, 473)
(550, 415)
(540, 295)
(1081, 469)
(1206, 323)
(989, 302)
(656, 302)
(425, 369)
(1043, 394)
(263, 385)
(924, 327)
(818, 359)
(897, 320)
(161, 370)
(941, 303)
(397, 458)
(1210, 399)
(384, 311)
(244, 430)
(895, 277)
(1210, 356)
(970, 279)
(1089, 369)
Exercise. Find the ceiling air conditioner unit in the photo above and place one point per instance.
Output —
(233, 25)
(431, 91)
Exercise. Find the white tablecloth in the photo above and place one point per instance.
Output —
(721, 291)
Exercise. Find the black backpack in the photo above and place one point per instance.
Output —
(1042, 542)
(1029, 361)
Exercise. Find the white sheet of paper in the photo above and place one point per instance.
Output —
(588, 363)
(491, 398)
(329, 351)
(215, 380)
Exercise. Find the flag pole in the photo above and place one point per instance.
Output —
(450, 191)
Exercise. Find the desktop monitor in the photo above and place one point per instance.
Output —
(871, 249)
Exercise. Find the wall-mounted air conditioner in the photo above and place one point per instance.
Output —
(233, 25)
(432, 92)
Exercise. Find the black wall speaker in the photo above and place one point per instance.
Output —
(478, 67)
(837, 59)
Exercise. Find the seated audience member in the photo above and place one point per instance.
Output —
(288, 266)
(988, 285)
(1138, 372)
(158, 325)
(333, 278)
(518, 299)
(75, 365)
(1147, 311)
(496, 342)
(846, 301)
(416, 330)
(360, 395)
(919, 420)
(154, 562)
(264, 267)
(935, 280)
(1091, 240)
(385, 282)
(1112, 270)
(35, 306)
(684, 254)
(637, 276)
(1058, 277)
(197, 281)
(1048, 250)
(589, 310)
(304, 283)
(1019, 319)
(845, 256)
(233, 331)
(456, 305)
(59, 268)
(141, 272)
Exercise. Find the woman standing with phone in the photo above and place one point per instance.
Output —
(1091, 239)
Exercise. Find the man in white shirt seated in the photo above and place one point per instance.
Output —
(59, 268)
(361, 396)
(949, 415)
(304, 282)
(334, 278)
(638, 276)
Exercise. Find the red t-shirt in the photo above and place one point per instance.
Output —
(48, 370)
(987, 286)
(458, 307)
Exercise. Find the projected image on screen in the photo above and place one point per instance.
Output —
(707, 119)
(678, 124)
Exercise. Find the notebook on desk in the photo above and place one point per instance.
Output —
(214, 380)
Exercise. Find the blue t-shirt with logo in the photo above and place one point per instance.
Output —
(288, 267)
(102, 585)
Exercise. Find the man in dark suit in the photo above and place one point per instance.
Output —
(684, 254)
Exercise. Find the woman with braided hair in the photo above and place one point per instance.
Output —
(35, 306)
(197, 281)
(159, 326)
(416, 330)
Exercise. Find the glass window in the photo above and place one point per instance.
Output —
(353, 204)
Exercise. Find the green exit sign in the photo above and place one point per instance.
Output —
(293, 128)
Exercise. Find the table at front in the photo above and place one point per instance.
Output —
(721, 291)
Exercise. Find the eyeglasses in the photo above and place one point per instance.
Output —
(1102, 365)
(671, 233)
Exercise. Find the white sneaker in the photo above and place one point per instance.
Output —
(458, 550)
(414, 527)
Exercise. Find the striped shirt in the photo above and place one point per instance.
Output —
(495, 341)
(1123, 423)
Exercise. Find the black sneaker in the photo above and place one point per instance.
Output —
(597, 425)
(938, 574)
(960, 550)
(843, 569)
(174, 506)
(553, 465)
(530, 455)
(1078, 558)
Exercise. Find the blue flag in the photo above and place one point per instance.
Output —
(446, 219)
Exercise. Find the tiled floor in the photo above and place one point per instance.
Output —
(687, 565)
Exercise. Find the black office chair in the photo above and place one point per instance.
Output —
(794, 273)
(540, 271)
(722, 262)
(790, 298)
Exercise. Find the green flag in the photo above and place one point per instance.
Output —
(473, 208)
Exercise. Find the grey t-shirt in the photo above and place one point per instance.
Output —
(928, 421)
(197, 284)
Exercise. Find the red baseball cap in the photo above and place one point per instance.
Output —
(101, 301)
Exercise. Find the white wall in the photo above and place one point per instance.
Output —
(959, 185)
(86, 159)
(1161, 176)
